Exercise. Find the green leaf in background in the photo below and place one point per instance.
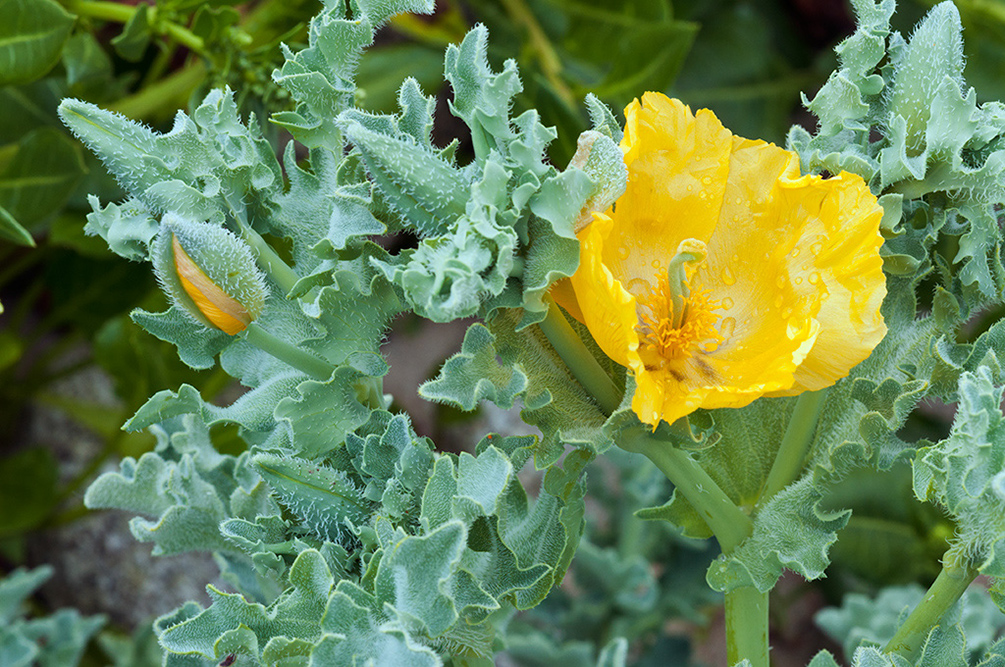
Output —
(86, 62)
(28, 107)
(643, 46)
(864, 621)
(27, 489)
(11, 231)
(42, 175)
(381, 72)
(135, 37)
(32, 34)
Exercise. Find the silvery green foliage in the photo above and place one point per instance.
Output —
(56, 640)
(937, 152)
(965, 475)
(863, 622)
(612, 590)
(500, 364)
(186, 488)
(499, 230)
(399, 591)
(384, 550)
(944, 647)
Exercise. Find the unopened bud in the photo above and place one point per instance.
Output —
(603, 161)
(209, 273)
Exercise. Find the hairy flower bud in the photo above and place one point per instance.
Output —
(209, 273)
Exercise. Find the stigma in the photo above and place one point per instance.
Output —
(677, 318)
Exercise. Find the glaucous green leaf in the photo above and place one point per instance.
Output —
(41, 176)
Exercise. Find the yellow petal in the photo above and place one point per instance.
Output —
(608, 310)
(565, 296)
(677, 169)
(839, 250)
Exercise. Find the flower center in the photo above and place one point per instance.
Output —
(677, 319)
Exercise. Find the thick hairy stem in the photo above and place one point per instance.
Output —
(728, 522)
(747, 626)
(288, 353)
(581, 363)
(795, 444)
(956, 575)
(746, 608)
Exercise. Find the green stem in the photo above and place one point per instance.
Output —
(747, 626)
(728, 522)
(290, 354)
(956, 575)
(551, 64)
(581, 363)
(266, 257)
(121, 13)
(185, 37)
(746, 608)
(162, 94)
(103, 11)
(795, 445)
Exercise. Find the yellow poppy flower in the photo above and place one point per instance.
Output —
(722, 274)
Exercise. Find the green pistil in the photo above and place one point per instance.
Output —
(689, 252)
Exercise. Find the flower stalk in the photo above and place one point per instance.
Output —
(956, 575)
(288, 353)
(267, 259)
(747, 626)
(581, 363)
(795, 443)
(728, 522)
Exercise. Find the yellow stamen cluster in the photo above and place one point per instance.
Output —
(672, 335)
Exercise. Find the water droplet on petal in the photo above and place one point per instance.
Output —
(623, 252)
(736, 258)
(727, 303)
(637, 286)
(778, 301)
(786, 313)
(726, 327)
(727, 276)
(814, 278)
(780, 282)
(816, 248)
(795, 252)
(656, 264)
(706, 180)
(798, 281)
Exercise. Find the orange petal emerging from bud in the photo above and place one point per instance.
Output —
(223, 310)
